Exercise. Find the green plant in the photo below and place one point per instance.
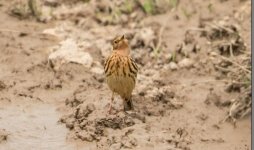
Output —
(128, 6)
(148, 6)
(157, 52)
(85, 1)
(116, 13)
(174, 56)
(186, 13)
(210, 7)
(173, 3)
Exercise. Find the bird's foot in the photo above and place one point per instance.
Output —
(111, 110)
(128, 105)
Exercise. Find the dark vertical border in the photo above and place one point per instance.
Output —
(252, 81)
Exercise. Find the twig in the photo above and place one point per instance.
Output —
(220, 43)
(222, 69)
(218, 26)
(196, 29)
(9, 30)
(156, 49)
(236, 64)
(245, 52)
(16, 31)
(224, 81)
(160, 36)
(31, 34)
(231, 50)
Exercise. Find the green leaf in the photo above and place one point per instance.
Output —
(148, 6)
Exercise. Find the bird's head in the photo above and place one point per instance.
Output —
(120, 43)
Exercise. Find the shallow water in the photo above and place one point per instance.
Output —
(33, 126)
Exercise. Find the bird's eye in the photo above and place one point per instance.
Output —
(115, 42)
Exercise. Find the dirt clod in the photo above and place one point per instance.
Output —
(2, 85)
(3, 135)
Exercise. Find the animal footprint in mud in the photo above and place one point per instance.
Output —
(121, 72)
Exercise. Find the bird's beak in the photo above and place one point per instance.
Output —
(122, 37)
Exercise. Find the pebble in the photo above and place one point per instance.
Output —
(116, 146)
(85, 136)
(97, 70)
(185, 63)
(173, 66)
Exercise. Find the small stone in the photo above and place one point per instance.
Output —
(83, 124)
(202, 117)
(196, 48)
(134, 142)
(168, 56)
(183, 145)
(84, 110)
(176, 104)
(116, 146)
(173, 66)
(70, 123)
(166, 67)
(140, 117)
(141, 93)
(84, 136)
(90, 107)
(213, 54)
(185, 63)
(97, 70)
(216, 126)
(126, 142)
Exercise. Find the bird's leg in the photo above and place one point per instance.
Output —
(110, 105)
(128, 104)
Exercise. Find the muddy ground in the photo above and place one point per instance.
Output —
(194, 71)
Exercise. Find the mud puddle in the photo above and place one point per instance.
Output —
(32, 126)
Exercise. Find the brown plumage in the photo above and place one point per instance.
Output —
(121, 71)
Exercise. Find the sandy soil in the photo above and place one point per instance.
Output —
(50, 99)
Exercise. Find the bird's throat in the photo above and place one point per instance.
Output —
(124, 51)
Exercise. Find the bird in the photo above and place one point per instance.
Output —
(121, 72)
